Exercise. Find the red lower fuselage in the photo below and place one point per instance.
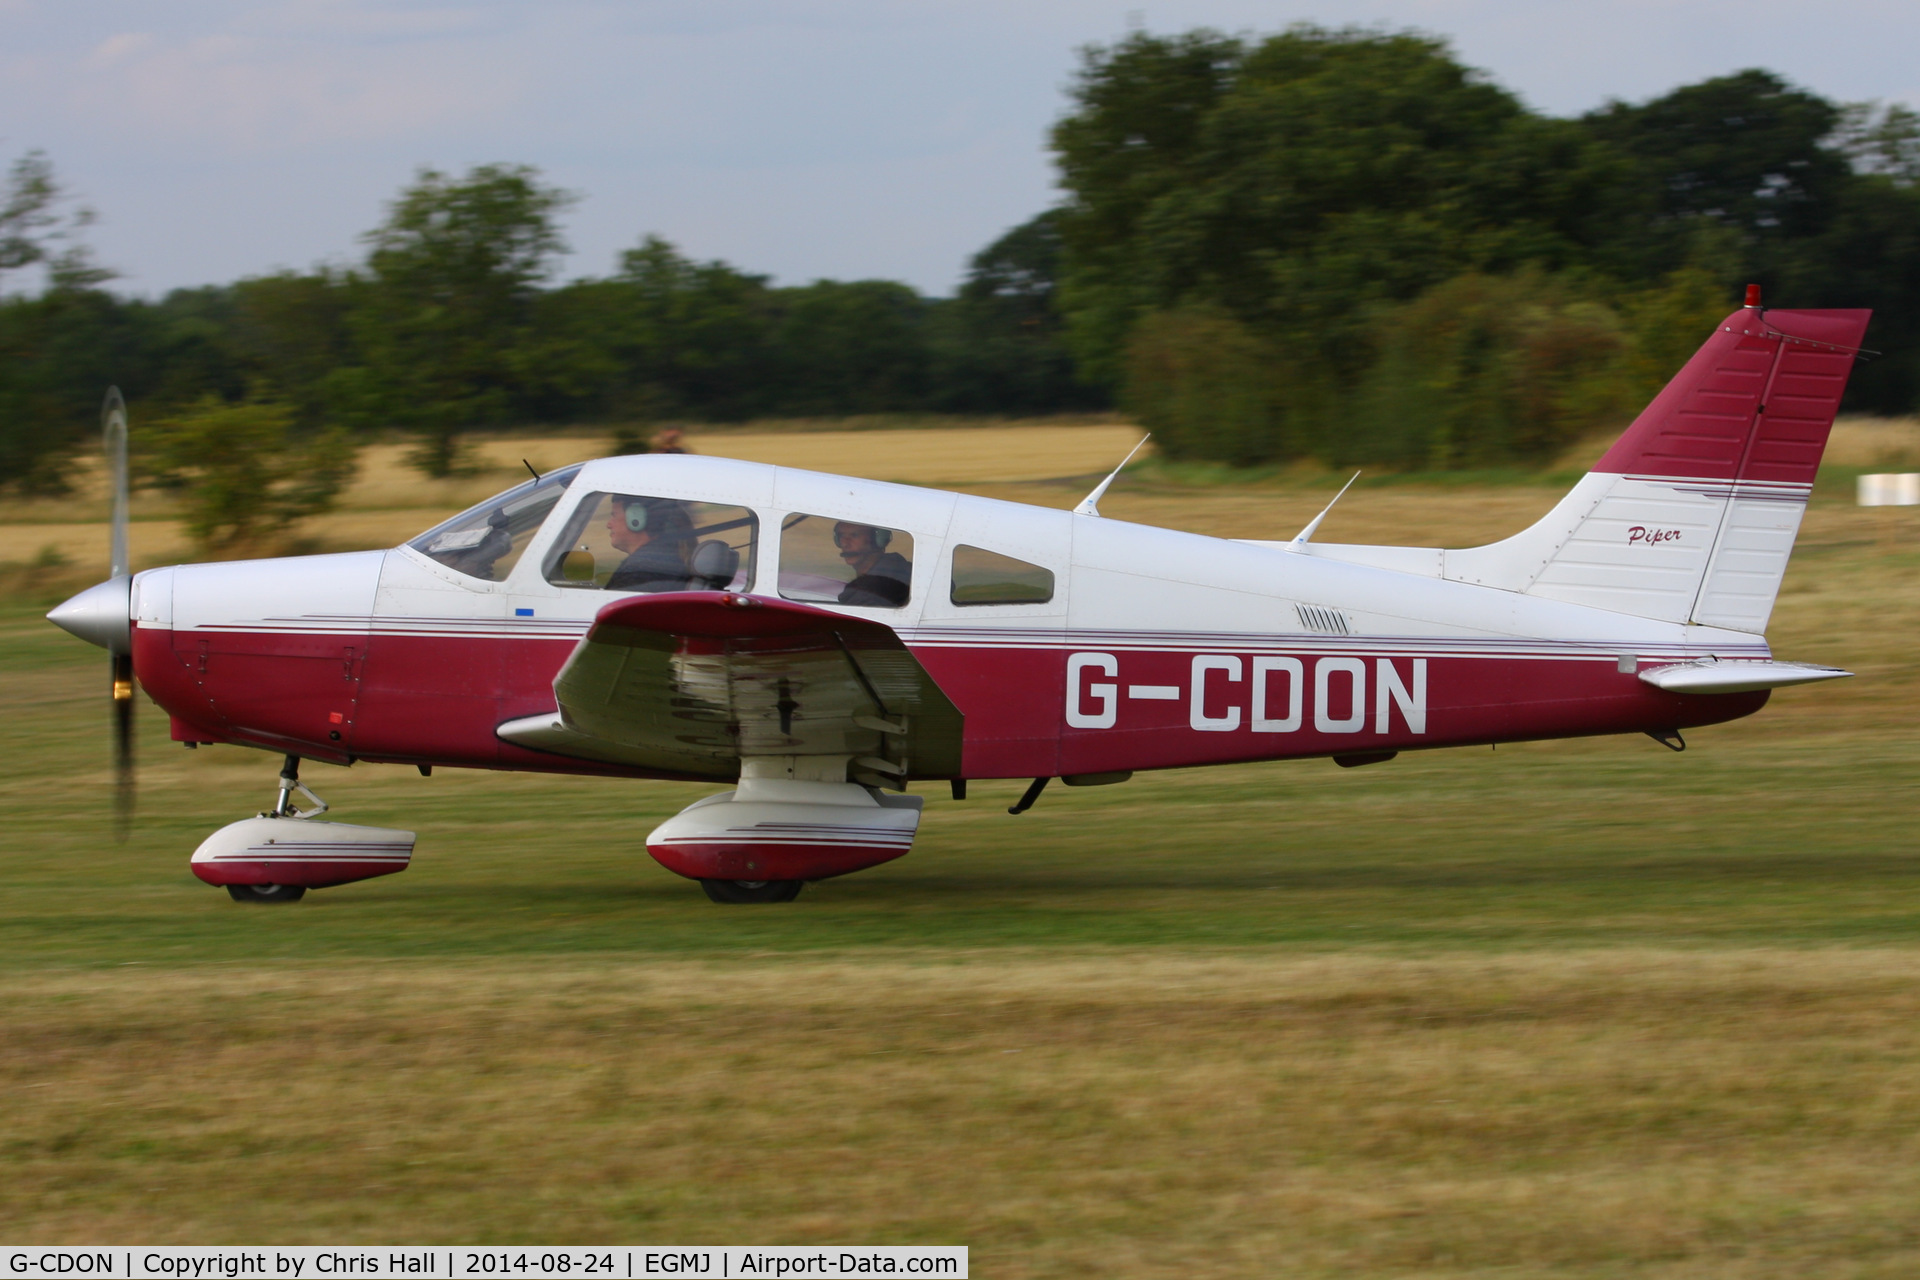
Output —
(1158, 701)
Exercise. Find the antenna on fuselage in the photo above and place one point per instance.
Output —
(1090, 505)
(1301, 538)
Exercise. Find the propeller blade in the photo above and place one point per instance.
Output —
(113, 429)
(123, 790)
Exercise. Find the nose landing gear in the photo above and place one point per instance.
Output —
(280, 854)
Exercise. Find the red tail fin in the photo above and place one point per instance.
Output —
(1755, 403)
(1691, 516)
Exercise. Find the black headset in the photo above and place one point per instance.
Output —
(881, 537)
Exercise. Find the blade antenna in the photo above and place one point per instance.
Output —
(113, 429)
(1090, 505)
(1305, 535)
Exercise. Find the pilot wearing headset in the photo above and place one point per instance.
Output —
(657, 535)
(881, 577)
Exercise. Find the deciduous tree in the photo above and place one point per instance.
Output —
(244, 474)
(443, 315)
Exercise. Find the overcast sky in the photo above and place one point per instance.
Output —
(799, 138)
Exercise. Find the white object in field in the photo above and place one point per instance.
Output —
(300, 852)
(1736, 677)
(1894, 489)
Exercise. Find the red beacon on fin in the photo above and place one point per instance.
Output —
(1753, 295)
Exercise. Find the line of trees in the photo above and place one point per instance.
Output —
(1344, 244)
(1339, 244)
(452, 322)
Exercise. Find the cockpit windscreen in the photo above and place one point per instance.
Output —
(487, 541)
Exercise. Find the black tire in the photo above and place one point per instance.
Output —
(258, 893)
(753, 890)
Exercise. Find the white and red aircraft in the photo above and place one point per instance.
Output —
(821, 642)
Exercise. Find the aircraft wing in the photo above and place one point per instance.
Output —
(690, 681)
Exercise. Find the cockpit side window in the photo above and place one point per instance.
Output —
(486, 541)
(845, 562)
(988, 577)
(636, 542)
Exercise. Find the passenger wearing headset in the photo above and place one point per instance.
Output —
(881, 577)
(657, 535)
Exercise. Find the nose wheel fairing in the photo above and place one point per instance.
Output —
(300, 852)
(287, 849)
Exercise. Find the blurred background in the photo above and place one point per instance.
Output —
(1582, 1008)
(1463, 237)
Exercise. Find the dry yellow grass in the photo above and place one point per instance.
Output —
(1893, 443)
(389, 501)
(970, 455)
(979, 455)
(84, 545)
(1665, 1113)
(1045, 464)
(1856, 441)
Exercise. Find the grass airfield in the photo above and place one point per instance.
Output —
(1565, 1009)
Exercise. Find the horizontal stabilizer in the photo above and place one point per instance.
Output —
(1736, 677)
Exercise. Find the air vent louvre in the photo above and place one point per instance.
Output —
(1327, 622)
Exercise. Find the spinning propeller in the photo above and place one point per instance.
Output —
(113, 423)
(101, 614)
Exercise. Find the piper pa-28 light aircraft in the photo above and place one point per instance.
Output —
(821, 642)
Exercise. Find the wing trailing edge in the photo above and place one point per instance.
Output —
(694, 682)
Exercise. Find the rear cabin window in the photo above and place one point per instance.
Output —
(987, 577)
(486, 541)
(828, 561)
(637, 542)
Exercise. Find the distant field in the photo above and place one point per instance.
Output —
(1039, 462)
(1583, 1009)
(390, 501)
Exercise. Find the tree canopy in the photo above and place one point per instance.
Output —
(1333, 243)
(1288, 210)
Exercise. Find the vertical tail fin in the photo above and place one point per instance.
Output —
(1691, 515)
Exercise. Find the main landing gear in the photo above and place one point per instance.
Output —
(790, 820)
(753, 890)
(265, 892)
(278, 855)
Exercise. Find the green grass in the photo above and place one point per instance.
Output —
(1581, 1009)
(1756, 834)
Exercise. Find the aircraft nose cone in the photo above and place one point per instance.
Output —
(99, 615)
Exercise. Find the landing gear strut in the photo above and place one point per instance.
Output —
(290, 783)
